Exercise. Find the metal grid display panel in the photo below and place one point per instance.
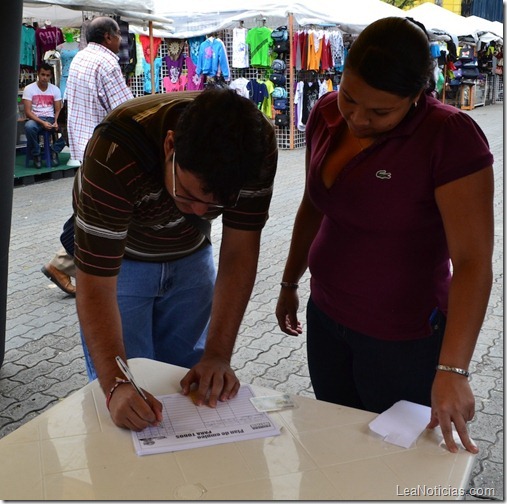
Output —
(136, 82)
(282, 134)
(497, 88)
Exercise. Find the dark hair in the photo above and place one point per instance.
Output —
(219, 138)
(393, 55)
(99, 27)
(45, 66)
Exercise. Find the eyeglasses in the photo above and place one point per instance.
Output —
(187, 199)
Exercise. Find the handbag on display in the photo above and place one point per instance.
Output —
(280, 104)
(280, 33)
(277, 79)
(469, 71)
(282, 120)
(279, 92)
(278, 65)
(281, 46)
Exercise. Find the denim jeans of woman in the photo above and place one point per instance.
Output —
(362, 372)
(165, 309)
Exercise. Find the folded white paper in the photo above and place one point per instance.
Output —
(402, 423)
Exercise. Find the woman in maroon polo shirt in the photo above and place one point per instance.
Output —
(398, 187)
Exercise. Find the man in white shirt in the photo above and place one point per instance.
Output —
(43, 103)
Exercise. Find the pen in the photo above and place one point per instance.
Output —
(126, 371)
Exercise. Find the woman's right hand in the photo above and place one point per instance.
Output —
(286, 312)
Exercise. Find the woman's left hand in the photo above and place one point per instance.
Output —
(452, 402)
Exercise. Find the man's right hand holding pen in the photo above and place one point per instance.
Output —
(130, 406)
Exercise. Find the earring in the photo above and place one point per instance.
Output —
(415, 104)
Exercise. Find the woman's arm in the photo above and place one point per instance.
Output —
(306, 226)
(466, 207)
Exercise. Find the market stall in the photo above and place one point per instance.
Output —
(473, 66)
(172, 69)
(166, 27)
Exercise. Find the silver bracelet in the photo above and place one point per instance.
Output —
(456, 370)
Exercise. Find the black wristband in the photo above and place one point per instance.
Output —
(289, 285)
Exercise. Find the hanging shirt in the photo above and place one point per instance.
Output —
(267, 103)
(194, 44)
(124, 53)
(310, 96)
(213, 59)
(47, 39)
(194, 82)
(174, 66)
(240, 57)
(296, 52)
(259, 42)
(298, 100)
(139, 70)
(303, 43)
(178, 85)
(314, 49)
(240, 86)
(129, 67)
(325, 57)
(157, 65)
(337, 49)
(323, 87)
(257, 91)
(174, 47)
(145, 43)
(28, 47)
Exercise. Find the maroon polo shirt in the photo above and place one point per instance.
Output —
(380, 262)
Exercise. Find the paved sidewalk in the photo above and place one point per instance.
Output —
(44, 361)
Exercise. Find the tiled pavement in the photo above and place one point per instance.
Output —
(44, 362)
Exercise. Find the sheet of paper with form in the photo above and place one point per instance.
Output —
(185, 425)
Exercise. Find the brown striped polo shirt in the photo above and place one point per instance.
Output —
(121, 205)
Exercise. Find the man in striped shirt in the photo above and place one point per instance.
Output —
(155, 173)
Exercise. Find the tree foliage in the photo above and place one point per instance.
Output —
(402, 4)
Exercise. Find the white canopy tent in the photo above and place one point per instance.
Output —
(183, 20)
(439, 20)
(59, 16)
(66, 14)
(481, 24)
(187, 19)
(200, 17)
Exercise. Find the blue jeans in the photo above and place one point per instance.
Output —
(165, 308)
(362, 372)
(34, 129)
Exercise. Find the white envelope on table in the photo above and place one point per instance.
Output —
(402, 423)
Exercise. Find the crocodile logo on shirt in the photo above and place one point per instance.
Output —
(382, 174)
